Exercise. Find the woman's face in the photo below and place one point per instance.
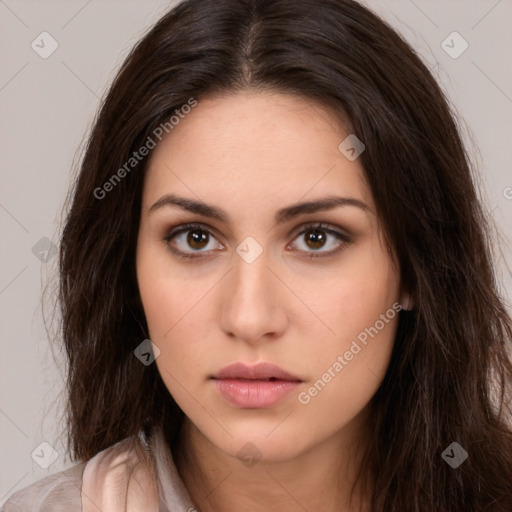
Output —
(255, 281)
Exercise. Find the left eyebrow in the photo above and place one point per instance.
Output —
(281, 216)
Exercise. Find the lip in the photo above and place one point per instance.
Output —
(254, 387)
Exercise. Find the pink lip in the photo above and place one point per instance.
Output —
(254, 387)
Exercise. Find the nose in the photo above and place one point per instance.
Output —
(253, 307)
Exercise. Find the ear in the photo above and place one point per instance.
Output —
(405, 300)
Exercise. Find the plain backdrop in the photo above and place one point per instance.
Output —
(48, 104)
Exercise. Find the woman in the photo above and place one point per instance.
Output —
(276, 285)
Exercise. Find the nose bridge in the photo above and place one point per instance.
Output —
(251, 306)
(249, 278)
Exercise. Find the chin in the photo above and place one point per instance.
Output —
(254, 445)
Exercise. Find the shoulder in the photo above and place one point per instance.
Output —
(118, 479)
(108, 480)
(59, 492)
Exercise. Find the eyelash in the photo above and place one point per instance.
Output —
(202, 227)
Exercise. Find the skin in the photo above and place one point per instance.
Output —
(251, 154)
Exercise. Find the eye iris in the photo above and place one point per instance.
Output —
(316, 238)
(197, 237)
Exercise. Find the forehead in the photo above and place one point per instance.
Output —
(255, 146)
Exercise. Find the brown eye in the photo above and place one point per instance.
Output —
(191, 241)
(315, 239)
(197, 239)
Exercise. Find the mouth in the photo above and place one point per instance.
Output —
(254, 387)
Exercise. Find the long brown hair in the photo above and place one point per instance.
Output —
(450, 375)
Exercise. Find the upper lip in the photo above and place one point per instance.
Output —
(260, 371)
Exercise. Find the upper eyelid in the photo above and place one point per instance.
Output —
(188, 226)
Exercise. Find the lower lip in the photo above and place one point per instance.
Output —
(254, 394)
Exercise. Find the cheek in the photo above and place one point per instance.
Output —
(352, 298)
(348, 372)
(173, 318)
(167, 293)
(172, 306)
(361, 311)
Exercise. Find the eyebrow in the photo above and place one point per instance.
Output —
(281, 216)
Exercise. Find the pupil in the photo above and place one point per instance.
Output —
(316, 238)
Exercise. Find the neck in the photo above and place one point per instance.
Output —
(322, 478)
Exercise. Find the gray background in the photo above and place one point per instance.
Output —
(49, 104)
